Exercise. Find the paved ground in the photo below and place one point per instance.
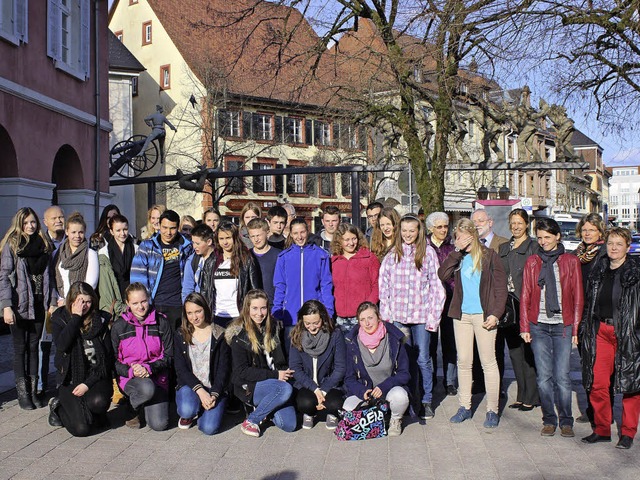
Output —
(30, 449)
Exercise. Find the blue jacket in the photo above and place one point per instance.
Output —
(302, 273)
(357, 381)
(331, 365)
(148, 262)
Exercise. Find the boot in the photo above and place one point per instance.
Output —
(37, 400)
(24, 399)
(54, 419)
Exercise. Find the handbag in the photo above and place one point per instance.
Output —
(511, 315)
(364, 422)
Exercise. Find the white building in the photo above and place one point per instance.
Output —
(623, 196)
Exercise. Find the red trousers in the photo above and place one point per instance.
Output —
(606, 344)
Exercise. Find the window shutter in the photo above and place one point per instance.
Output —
(288, 128)
(362, 138)
(308, 129)
(54, 29)
(336, 135)
(279, 181)
(223, 123)
(85, 37)
(22, 23)
(247, 122)
(290, 186)
(279, 137)
(257, 181)
(311, 183)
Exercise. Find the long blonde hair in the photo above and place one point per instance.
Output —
(149, 231)
(467, 226)
(420, 243)
(16, 236)
(244, 320)
(378, 242)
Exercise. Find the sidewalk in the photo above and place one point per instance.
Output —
(30, 449)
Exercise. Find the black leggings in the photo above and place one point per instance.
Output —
(26, 340)
(306, 402)
(72, 408)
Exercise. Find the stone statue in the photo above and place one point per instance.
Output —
(523, 118)
(490, 123)
(156, 121)
(564, 127)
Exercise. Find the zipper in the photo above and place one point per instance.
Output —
(301, 276)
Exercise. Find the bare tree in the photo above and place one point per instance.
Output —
(595, 55)
(411, 56)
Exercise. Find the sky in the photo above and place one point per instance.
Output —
(619, 148)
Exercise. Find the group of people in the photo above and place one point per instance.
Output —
(282, 323)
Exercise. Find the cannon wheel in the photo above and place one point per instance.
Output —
(140, 162)
(144, 161)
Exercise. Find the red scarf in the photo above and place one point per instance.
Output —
(371, 341)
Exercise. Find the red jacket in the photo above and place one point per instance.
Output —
(354, 281)
(572, 301)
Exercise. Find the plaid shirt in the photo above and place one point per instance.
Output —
(409, 295)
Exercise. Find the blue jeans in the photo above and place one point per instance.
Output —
(189, 405)
(272, 396)
(551, 345)
(418, 346)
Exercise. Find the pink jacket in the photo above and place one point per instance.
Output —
(354, 281)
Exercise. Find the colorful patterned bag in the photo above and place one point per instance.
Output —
(365, 421)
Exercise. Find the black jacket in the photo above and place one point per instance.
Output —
(513, 260)
(65, 329)
(248, 279)
(626, 324)
(249, 367)
(219, 362)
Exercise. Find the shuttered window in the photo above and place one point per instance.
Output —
(68, 36)
(14, 21)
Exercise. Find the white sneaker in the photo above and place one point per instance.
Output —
(332, 422)
(307, 422)
(395, 427)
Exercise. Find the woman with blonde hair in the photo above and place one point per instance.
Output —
(153, 222)
(479, 298)
(250, 211)
(384, 234)
(25, 294)
(412, 298)
(74, 261)
(260, 373)
(355, 274)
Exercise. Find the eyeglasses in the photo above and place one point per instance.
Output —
(440, 227)
(373, 217)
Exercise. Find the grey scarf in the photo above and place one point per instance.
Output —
(76, 263)
(315, 345)
(377, 363)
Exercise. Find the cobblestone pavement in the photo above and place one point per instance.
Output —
(30, 449)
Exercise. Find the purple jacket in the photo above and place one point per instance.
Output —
(443, 252)
(148, 343)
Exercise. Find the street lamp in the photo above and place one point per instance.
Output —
(504, 193)
(493, 193)
(483, 193)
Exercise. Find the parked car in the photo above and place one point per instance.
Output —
(635, 245)
(570, 242)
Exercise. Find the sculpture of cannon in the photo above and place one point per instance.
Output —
(128, 160)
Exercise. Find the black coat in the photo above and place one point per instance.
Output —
(249, 278)
(626, 324)
(513, 260)
(219, 362)
(249, 367)
(65, 329)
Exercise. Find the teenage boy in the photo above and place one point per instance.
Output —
(197, 272)
(330, 222)
(277, 219)
(265, 254)
(159, 265)
(373, 212)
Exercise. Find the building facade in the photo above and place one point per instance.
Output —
(53, 107)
